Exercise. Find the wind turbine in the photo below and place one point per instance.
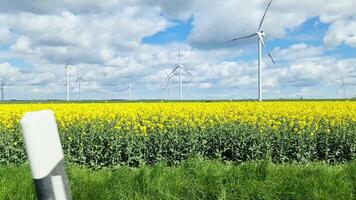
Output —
(130, 92)
(2, 88)
(260, 35)
(180, 68)
(67, 73)
(188, 86)
(79, 80)
(168, 86)
(129, 89)
(342, 86)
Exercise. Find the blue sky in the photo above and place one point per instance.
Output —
(136, 42)
(179, 32)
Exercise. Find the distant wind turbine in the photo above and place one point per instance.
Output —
(2, 89)
(180, 68)
(78, 81)
(130, 92)
(188, 86)
(168, 86)
(129, 89)
(67, 74)
(343, 85)
(260, 35)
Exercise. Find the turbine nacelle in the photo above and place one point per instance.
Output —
(261, 33)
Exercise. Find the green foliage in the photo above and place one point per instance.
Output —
(99, 144)
(197, 179)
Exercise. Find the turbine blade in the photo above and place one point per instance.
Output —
(75, 82)
(191, 78)
(77, 72)
(68, 61)
(264, 46)
(243, 37)
(186, 71)
(270, 56)
(123, 90)
(264, 15)
(342, 79)
(170, 74)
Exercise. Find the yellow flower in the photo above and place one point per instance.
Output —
(140, 118)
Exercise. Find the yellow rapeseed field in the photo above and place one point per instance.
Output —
(141, 117)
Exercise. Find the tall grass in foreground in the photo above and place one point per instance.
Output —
(197, 179)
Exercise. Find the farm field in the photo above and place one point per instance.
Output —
(215, 150)
(105, 135)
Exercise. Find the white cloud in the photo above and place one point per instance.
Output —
(67, 34)
(22, 45)
(205, 85)
(341, 32)
(297, 52)
(4, 35)
(15, 76)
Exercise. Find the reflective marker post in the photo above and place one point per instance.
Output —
(45, 155)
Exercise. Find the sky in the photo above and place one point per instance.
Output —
(112, 44)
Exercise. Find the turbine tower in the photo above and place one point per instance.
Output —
(67, 80)
(188, 86)
(260, 35)
(168, 86)
(2, 88)
(180, 75)
(130, 92)
(342, 86)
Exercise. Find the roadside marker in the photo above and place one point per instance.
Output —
(45, 155)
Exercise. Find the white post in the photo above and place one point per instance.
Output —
(259, 72)
(45, 155)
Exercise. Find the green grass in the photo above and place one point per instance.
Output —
(197, 179)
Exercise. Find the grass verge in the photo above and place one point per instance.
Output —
(196, 179)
